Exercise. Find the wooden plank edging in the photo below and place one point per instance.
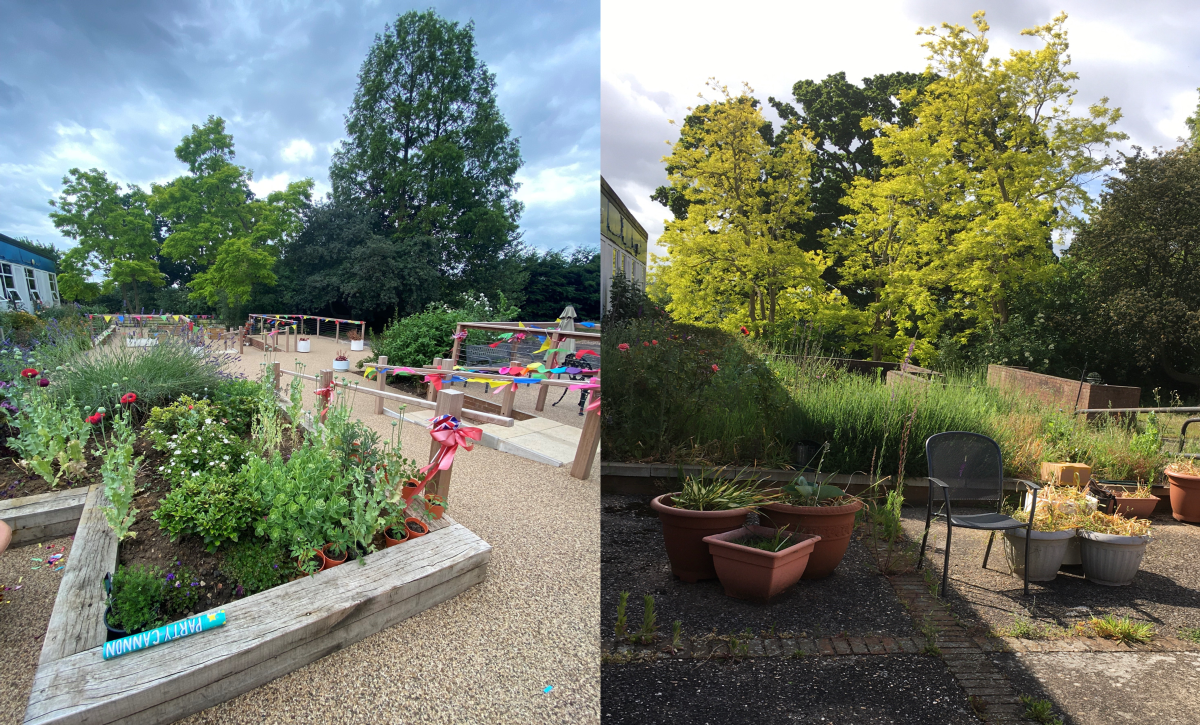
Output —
(43, 516)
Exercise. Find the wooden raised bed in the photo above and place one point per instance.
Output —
(43, 516)
(266, 636)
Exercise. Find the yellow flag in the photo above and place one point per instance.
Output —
(545, 346)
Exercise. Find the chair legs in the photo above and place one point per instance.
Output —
(988, 551)
(946, 562)
(1027, 530)
(925, 537)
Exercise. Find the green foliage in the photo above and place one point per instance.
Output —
(50, 431)
(212, 505)
(136, 598)
(417, 339)
(1122, 629)
(714, 494)
(159, 375)
(256, 566)
(774, 543)
(621, 629)
(428, 149)
(181, 592)
(649, 631)
(119, 474)
(237, 403)
(195, 443)
(1039, 711)
(557, 279)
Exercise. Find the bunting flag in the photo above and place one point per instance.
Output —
(496, 343)
(545, 346)
(593, 384)
(505, 335)
(581, 353)
(588, 324)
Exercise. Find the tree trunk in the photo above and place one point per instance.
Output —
(752, 293)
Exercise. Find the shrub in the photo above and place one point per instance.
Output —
(136, 598)
(214, 506)
(237, 403)
(194, 441)
(159, 375)
(255, 566)
(304, 499)
(417, 339)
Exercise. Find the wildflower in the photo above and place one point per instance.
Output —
(623, 346)
(654, 342)
(128, 398)
(645, 344)
(715, 368)
(744, 330)
(43, 383)
(95, 418)
(170, 576)
(29, 373)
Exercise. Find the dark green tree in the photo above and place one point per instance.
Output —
(429, 151)
(558, 279)
(1141, 252)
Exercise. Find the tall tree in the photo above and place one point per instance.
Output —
(969, 196)
(557, 279)
(115, 234)
(1141, 253)
(429, 150)
(735, 259)
(217, 225)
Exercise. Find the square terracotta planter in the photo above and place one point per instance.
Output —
(1135, 508)
(754, 574)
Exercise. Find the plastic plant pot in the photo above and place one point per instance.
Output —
(684, 532)
(833, 524)
(1110, 559)
(755, 574)
(1047, 549)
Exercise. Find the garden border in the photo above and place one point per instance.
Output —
(43, 516)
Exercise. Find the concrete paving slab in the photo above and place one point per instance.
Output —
(535, 424)
(547, 446)
(565, 434)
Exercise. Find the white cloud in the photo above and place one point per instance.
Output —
(267, 184)
(296, 151)
(557, 184)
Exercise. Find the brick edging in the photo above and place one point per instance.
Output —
(723, 647)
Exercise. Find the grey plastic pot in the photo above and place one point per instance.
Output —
(1109, 559)
(1046, 552)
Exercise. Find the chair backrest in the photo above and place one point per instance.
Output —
(969, 463)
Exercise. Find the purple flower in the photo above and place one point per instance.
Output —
(276, 566)
(170, 576)
(43, 383)
(195, 583)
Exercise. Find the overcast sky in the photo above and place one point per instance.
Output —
(655, 58)
(116, 85)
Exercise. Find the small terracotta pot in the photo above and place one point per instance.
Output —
(435, 510)
(754, 574)
(833, 524)
(409, 490)
(330, 560)
(684, 532)
(1185, 496)
(410, 522)
(319, 556)
(389, 542)
(1135, 508)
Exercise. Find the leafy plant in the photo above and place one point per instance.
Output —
(213, 505)
(779, 541)
(136, 598)
(119, 474)
(1040, 711)
(49, 431)
(181, 592)
(649, 631)
(713, 494)
(256, 566)
(237, 403)
(1122, 629)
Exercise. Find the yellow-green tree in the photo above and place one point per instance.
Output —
(964, 212)
(732, 259)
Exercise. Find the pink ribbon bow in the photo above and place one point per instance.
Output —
(450, 433)
(593, 384)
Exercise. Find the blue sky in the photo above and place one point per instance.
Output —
(116, 85)
(1143, 56)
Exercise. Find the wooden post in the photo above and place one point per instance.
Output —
(318, 327)
(589, 441)
(431, 393)
(512, 347)
(382, 379)
(458, 328)
(277, 374)
(326, 384)
(449, 402)
(337, 331)
(362, 333)
(551, 362)
(509, 397)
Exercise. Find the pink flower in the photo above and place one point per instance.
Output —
(623, 346)
(715, 368)
(645, 344)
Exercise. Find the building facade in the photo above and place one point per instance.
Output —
(622, 243)
(27, 279)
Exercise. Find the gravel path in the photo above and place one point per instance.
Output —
(489, 654)
(1166, 590)
(24, 616)
(854, 599)
(872, 690)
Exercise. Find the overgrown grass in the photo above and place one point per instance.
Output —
(668, 403)
(158, 375)
(1040, 711)
(1122, 629)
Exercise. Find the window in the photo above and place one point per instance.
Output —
(54, 287)
(32, 284)
(614, 266)
(6, 278)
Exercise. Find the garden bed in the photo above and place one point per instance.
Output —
(16, 482)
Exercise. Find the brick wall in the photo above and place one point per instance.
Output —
(1061, 392)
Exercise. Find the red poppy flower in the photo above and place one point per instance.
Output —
(654, 342)
(745, 331)
(95, 418)
(645, 344)
(623, 346)
(323, 392)
(128, 398)
(43, 382)
(715, 368)
(29, 373)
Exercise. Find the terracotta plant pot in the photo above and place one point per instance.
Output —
(416, 527)
(833, 524)
(435, 510)
(1135, 508)
(331, 560)
(389, 542)
(754, 574)
(684, 532)
(409, 489)
(1185, 496)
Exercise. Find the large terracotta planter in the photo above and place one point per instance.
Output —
(754, 574)
(1110, 559)
(684, 532)
(1185, 496)
(1135, 508)
(833, 524)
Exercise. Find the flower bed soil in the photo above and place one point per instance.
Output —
(16, 482)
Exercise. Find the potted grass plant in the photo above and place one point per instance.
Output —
(1184, 476)
(1112, 547)
(1053, 530)
(702, 507)
(757, 562)
(821, 510)
(341, 362)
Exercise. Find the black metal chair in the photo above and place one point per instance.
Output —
(968, 467)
